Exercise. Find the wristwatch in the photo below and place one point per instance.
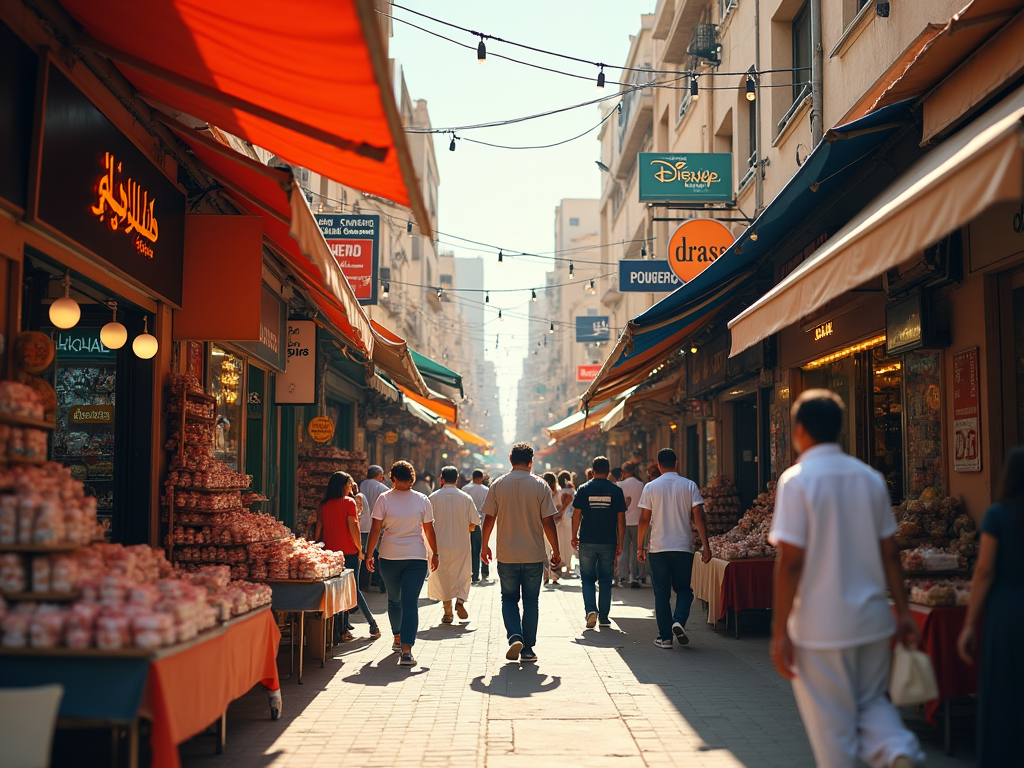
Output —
(436, 555)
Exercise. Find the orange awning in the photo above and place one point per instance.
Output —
(471, 437)
(442, 406)
(307, 80)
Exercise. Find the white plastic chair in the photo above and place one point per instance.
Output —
(28, 717)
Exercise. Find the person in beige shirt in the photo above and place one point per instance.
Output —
(521, 505)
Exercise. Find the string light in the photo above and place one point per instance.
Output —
(600, 78)
(439, 293)
(451, 146)
(694, 90)
(643, 250)
(500, 317)
(408, 227)
(552, 328)
(487, 297)
(590, 289)
(570, 270)
(501, 257)
(693, 348)
(481, 51)
(750, 88)
(387, 289)
(533, 295)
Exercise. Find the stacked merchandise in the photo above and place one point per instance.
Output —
(750, 536)
(122, 597)
(21, 411)
(295, 560)
(316, 465)
(721, 505)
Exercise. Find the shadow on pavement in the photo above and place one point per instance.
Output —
(516, 681)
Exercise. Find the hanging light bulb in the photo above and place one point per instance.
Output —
(643, 250)
(570, 270)
(501, 257)
(145, 344)
(408, 226)
(500, 317)
(552, 328)
(600, 78)
(750, 88)
(694, 90)
(387, 289)
(439, 293)
(481, 51)
(693, 348)
(487, 297)
(113, 335)
(65, 312)
(451, 147)
(533, 295)
(590, 289)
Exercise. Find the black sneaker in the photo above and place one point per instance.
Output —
(634, 585)
(407, 660)
(604, 622)
(515, 646)
(680, 633)
(528, 657)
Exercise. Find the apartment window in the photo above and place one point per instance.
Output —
(801, 51)
(446, 281)
(574, 222)
(416, 248)
(752, 133)
(726, 6)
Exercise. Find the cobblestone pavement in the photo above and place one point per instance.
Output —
(596, 697)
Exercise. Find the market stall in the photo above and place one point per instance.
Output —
(730, 587)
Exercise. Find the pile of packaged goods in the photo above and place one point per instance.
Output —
(938, 592)
(937, 523)
(128, 598)
(207, 502)
(228, 528)
(295, 560)
(21, 442)
(750, 536)
(20, 400)
(721, 505)
(316, 465)
(46, 506)
(928, 560)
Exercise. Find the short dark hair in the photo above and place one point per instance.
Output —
(478, 474)
(821, 413)
(629, 468)
(403, 471)
(450, 474)
(667, 458)
(601, 465)
(522, 453)
(617, 473)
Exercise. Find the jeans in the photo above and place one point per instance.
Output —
(597, 565)
(364, 575)
(670, 572)
(353, 562)
(404, 580)
(521, 579)
(629, 567)
(476, 542)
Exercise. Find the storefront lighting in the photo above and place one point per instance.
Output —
(853, 349)
(693, 348)
(673, 426)
(888, 369)
(145, 344)
(113, 334)
(65, 312)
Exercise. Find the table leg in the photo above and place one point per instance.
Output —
(133, 744)
(323, 646)
(302, 641)
(291, 642)
(115, 745)
(222, 730)
(947, 726)
(736, 620)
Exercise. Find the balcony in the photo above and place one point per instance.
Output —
(680, 35)
(635, 122)
(664, 16)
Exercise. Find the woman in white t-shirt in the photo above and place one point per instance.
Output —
(402, 519)
(563, 520)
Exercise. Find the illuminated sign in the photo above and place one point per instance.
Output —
(822, 331)
(90, 414)
(128, 205)
(696, 245)
(695, 177)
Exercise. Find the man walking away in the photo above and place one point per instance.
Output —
(666, 506)
(371, 488)
(521, 504)
(478, 492)
(832, 624)
(455, 518)
(598, 525)
(629, 567)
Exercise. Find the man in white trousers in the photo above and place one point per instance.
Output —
(455, 517)
(832, 624)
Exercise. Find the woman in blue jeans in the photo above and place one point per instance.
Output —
(402, 518)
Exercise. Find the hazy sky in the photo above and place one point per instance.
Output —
(508, 197)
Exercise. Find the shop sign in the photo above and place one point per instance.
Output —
(587, 373)
(637, 276)
(82, 342)
(693, 177)
(390, 438)
(904, 329)
(297, 385)
(746, 363)
(354, 241)
(696, 245)
(90, 414)
(270, 348)
(321, 429)
(706, 368)
(97, 188)
(822, 330)
(593, 328)
(966, 412)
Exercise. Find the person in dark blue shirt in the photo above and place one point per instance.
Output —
(598, 525)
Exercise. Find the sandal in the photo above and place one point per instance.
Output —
(347, 637)
(374, 631)
(447, 619)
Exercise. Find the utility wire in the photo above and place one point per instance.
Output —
(543, 146)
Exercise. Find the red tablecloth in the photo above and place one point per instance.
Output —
(747, 586)
(939, 629)
(190, 689)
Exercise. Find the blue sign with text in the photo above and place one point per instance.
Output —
(646, 277)
(593, 328)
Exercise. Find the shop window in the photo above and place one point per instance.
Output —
(840, 377)
(710, 451)
(778, 437)
(801, 52)
(885, 434)
(923, 419)
(227, 383)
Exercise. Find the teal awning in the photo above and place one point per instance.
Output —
(434, 371)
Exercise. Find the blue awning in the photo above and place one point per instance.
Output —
(650, 337)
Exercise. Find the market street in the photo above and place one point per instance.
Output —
(595, 698)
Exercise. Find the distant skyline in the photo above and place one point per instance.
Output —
(508, 197)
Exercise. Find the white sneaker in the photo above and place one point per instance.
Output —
(680, 633)
(591, 619)
(663, 643)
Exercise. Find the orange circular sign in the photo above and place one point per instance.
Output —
(695, 245)
(321, 429)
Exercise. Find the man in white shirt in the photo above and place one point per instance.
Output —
(478, 493)
(629, 568)
(666, 506)
(832, 624)
(371, 488)
(455, 518)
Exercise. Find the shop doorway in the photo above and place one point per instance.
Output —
(693, 453)
(745, 440)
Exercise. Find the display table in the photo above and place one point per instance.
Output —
(327, 598)
(733, 585)
(939, 629)
(182, 689)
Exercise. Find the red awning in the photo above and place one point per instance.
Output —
(307, 80)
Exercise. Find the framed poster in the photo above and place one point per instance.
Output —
(966, 412)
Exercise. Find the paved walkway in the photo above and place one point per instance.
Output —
(596, 698)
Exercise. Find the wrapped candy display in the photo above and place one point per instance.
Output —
(228, 528)
(928, 560)
(20, 400)
(931, 522)
(938, 592)
(750, 536)
(47, 507)
(721, 505)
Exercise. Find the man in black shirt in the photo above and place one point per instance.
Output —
(598, 525)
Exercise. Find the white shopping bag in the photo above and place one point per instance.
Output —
(913, 678)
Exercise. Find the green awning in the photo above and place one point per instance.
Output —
(434, 371)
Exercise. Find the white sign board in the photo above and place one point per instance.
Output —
(297, 385)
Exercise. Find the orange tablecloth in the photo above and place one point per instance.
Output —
(188, 690)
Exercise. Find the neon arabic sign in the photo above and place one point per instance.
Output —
(128, 205)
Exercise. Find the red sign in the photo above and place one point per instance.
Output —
(587, 373)
(966, 412)
(355, 257)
